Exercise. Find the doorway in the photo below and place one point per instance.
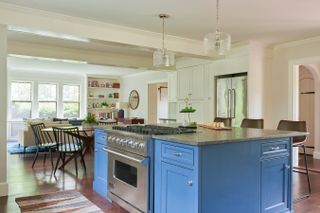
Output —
(157, 102)
(307, 105)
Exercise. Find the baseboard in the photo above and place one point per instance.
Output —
(316, 155)
(3, 189)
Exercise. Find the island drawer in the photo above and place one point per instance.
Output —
(182, 155)
(275, 147)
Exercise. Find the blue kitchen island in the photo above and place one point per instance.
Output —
(237, 171)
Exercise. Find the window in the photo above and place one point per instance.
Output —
(47, 97)
(71, 101)
(21, 100)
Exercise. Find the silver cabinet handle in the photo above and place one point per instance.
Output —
(178, 154)
(287, 167)
(190, 183)
(275, 148)
(137, 159)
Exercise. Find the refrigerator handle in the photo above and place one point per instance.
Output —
(229, 101)
(233, 103)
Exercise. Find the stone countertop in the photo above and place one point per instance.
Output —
(207, 136)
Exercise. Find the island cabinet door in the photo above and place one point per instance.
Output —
(176, 190)
(100, 170)
(275, 185)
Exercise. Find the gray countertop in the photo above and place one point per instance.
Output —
(207, 136)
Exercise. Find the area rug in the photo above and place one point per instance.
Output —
(62, 202)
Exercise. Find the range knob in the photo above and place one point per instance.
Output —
(117, 140)
(135, 145)
(141, 146)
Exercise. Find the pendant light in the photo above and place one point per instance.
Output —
(163, 57)
(217, 43)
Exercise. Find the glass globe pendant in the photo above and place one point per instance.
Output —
(217, 43)
(163, 57)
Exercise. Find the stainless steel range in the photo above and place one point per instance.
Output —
(130, 164)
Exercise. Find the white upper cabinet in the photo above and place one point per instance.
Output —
(172, 87)
(191, 82)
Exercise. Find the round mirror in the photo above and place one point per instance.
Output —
(134, 99)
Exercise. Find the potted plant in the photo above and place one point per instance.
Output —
(104, 105)
(90, 120)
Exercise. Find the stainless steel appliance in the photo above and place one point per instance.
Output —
(129, 164)
(231, 97)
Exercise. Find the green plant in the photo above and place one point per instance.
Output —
(90, 119)
(104, 104)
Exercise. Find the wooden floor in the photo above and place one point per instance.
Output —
(24, 181)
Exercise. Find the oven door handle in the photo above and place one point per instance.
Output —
(137, 159)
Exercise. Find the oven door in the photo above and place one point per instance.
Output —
(128, 177)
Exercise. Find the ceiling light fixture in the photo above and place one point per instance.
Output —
(217, 43)
(163, 57)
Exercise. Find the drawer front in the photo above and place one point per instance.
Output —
(100, 136)
(178, 154)
(276, 147)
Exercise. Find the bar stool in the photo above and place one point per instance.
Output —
(298, 141)
(226, 121)
(252, 123)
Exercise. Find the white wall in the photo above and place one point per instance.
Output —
(284, 79)
(140, 82)
(3, 111)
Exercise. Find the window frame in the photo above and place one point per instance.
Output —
(31, 101)
(47, 101)
(76, 102)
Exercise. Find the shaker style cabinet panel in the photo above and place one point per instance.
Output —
(275, 185)
(191, 82)
(176, 185)
(100, 164)
(177, 190)
(172, 87)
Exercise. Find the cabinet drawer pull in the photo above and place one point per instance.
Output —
(274, 148)
(178, 154)
(190, 183)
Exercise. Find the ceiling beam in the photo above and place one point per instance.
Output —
(43, 20)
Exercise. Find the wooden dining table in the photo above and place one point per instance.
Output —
(86, 135)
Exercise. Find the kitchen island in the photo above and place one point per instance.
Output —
(241, 170)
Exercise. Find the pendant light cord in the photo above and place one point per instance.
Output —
(218, 15)
(163, 33)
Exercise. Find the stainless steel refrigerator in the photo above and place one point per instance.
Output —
(231, 97)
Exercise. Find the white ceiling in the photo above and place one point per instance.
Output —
(272, 21)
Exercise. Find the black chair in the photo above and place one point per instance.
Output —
(70, 143)
(226, 121)
(298, 141)
(44, 143)
(252, 123)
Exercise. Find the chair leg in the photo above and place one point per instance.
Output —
(306, 168)
(50, 151)
(83, 163)
(55, 169)
(63, 159)
(76, 163)
(44, 158)
(35, 158)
